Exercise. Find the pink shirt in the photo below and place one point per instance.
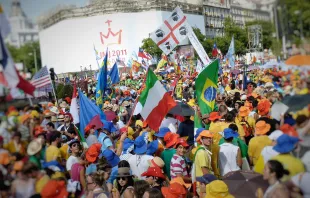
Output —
(177, 166)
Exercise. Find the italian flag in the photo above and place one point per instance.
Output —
(154, 102)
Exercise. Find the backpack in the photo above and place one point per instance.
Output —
(247, 128)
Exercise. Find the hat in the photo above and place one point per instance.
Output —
(261, 127)
(170, 139)
(155, 172)
(140, 144)
(63, 104)
(285, 143)
(206, 178)
(123, 172)
(180, 180)
(73, 141)
(268, 85)
(156, 162)
(244, 111)
(112, 158)
(243, 97)
(162, 132)
(24, 118)
(198, 131)
(139, 123)
(38, 130)
(34, 114)
(91, 169)
(181, 141)
(263, 107)
(125, 103)
(289, 130)
(54, 189)
(127, 144)
(18, 166)
(68, 100)
(88, 127)
(175, 190)
(70, 116)
(217, 189)
(275, 135)
(205, 133)
(54, 119)
(5, 158)
(228, 133)
(53, 165)
(34, 147)
(214, 116)
(58, 175)
(93, 152)
(54, 109)
(60, 117)
(152, 147)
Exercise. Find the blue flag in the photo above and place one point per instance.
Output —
(102, 81)
(231, 53)
(113, 74)
(87, 111)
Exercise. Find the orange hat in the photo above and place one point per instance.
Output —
(88, 127)
(263, 107)
(38, 130)
(170, 139)
(244, 111)
(175, 190)
(68, 99)
(50, 104)
(180, 180)
(214, 116)
(204, 133)
(261, 128)
(289, 130)
(4, 158)
(24, 118)
(93, 152)
(181, 141)
(155, 172)
(54, 189)
(18, 166)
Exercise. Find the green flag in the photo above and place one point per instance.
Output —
(206, 85)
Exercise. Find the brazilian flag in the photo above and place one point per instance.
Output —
(206, 85)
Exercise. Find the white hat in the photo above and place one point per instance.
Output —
(269, 84)
(243, 97)
(275, 135)
(34, 147)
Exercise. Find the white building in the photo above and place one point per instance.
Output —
(22, 29)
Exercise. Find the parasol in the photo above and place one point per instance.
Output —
(182, 109)
(298, 60)
(296, 102)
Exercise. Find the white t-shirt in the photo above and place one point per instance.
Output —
(71, 160)
(171, 123)
(302, 181)
(268, 152)
(139, 164)
(228, 158)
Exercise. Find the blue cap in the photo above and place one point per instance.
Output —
(285, 143)
(228, 133)
(162, 132)
(127, 143)
(206, 178)
(53, 165)
(152, 147)
(109, 126)
(112, 158)
(198, 131)
(140, 144)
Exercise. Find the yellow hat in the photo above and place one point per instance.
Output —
(217, 189)
(130, 133)
(139, 123)
(34, 114)
(191, 102)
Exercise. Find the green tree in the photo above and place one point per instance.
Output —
(150, 47)
(25, 54)
(60, 90)
(68, 90)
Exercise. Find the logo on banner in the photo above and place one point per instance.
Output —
(111, 38)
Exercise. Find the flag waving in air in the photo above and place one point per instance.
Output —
(74, 106)
(231, 53)
(142, 54)
(206, 85)
(113, 74)
(154, 101)
(214, 51)
(102, 81)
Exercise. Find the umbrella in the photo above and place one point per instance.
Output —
(296, 102)
(182, 109)
(299, 60)
(110, 115)
(244, 184)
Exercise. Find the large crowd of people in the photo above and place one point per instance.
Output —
(42, 155)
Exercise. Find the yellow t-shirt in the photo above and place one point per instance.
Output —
(256, 146)
(41, 183)
(202, 159)
(64, 151)
(52, 153)
(215, 128)
(259, 166)
(290, 163)
(250, 120)
(240, 128)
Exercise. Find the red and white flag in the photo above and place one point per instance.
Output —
(74, 107)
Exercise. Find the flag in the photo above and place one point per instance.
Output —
(134, 55)
(11, 75)
(163, 62)
(142, 54)
(206, 85)
(102, 81)
(113, 74)
(97, 57)
(74, 106)
(87, 111)
(155, 101)
(120, 62)
(4, 24)
(81, 137)
(130, 62)
(41, 78)
(231, 53)
(145, 64)
(136, 66)
(197, 123)
(198, 66)
(214, 51)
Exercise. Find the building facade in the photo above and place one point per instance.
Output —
(22, 29)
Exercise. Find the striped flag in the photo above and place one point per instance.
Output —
(41, 78)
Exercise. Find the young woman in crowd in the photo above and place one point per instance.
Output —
(95, 182)
(125, 184)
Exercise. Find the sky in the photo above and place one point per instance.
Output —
(34, 8)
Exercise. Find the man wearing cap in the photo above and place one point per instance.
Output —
(247, 123)
(68, 128)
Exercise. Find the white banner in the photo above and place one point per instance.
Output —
(198, 47)
(172, 32)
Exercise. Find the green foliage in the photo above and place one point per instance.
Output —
(59, 90)
(68, 90)
(150, 47)
(25, 55)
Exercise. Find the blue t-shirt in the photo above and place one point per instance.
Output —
(105, 141)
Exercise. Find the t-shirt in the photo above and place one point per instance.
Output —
(41, 183)
(91, 139)
(70, 129)
(71, 160)
(290, 163)
(105, 141)
(52, 153)
(267, 153)
(256, 146)
(202, 160)
(177, 166)
(139, 164)
(35, 161)
(166, 156)
(302, 181)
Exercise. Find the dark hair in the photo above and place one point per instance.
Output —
(154, 193)
(277, 168)
(121, 189)
(54, 136)
(140, 187)
(103, 164)
(222, 108)
(123, 163)
(29, 168)
(229, 139)
(51, 125)
(301, 119)
(233, 127)
(229, 117)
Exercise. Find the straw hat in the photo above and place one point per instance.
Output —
(54, 109)
(34, 147)
(156, 162)
(63, 104)
(61, 117)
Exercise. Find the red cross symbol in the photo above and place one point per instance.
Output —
(171, 31)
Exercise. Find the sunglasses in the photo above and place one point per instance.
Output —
(122, 178)
(75, 145)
